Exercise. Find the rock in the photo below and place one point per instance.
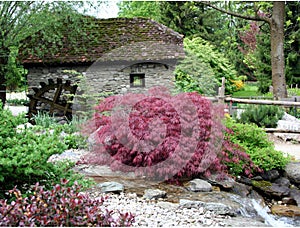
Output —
(198, 185)
(288, 122)
(257, 178)
(293, 172)
(218, 208)
(288, 125)
(271, 189)
(288, 200)
(243, 222)
(73, 155)
(289, 210)
(154, 194)
(225, 182)
(288, 136)
(283, 181)
(22, 127)
(112, 186)
(244, 180)
(167, 205)
(92, 139)
(295, 195)
(290, 118)
(101, 170)
(241, 189)
(63, 135)
(270, 175)
(254, 195)
(279, 190)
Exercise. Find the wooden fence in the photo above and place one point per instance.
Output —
(287, 102)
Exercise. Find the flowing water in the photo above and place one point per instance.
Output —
(246, 207)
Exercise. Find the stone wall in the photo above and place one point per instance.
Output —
(115, 78)
(42, 74)
(103, 78)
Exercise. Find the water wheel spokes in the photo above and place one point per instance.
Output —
(54, 98)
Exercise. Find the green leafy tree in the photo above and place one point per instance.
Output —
(148, 9)
(204, 68)
(275, 19)
(21, 20)
(292, 42)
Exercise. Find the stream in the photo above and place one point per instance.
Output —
(251, 208)
(243, 206)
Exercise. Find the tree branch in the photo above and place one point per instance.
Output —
(246, 17)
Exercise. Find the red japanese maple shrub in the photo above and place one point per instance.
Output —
(158, 135)
(61, 206)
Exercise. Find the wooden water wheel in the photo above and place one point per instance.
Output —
(54, 98)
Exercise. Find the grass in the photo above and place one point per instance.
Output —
(248, 91)
(251, 90)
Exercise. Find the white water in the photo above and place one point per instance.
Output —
(269, 219)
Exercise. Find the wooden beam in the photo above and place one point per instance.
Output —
(276, 130)
(265, 102)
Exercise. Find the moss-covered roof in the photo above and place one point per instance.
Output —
(109, 39)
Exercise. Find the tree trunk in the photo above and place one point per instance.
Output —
(277, 51)
(3, 62)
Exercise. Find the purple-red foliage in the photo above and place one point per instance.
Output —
(158, 135)
(249, 38)
(61, 206)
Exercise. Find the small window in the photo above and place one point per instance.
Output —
(137, 80)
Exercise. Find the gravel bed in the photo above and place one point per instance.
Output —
(158, 213)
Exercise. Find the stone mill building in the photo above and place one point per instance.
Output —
(116, 56)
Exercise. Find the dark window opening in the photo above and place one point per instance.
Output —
(137, 80)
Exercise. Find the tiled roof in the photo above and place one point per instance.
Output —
(112, 39)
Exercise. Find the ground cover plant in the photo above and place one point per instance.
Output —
(24, 155)
(144, 132)
(254, 141)
(60, 206)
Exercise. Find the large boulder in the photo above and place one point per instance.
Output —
(293, 172)
(271, 189)
(288, 122)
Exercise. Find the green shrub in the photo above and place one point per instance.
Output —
(72, 138)
(75, 141)
(262, 115)
(255, 142)
(24, 155)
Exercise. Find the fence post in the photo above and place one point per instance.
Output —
(221, 92)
